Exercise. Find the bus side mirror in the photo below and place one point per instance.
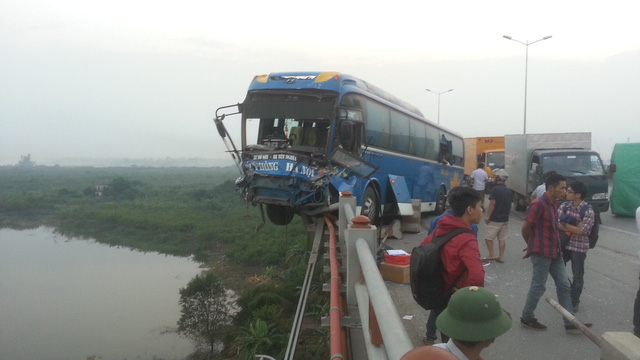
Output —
(539, 169)
(221, 130)
(612, 168)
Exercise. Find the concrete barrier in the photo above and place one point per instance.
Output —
(620, 346)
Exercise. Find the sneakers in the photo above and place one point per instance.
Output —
(572, 329)
(429, 342)
(532, 324)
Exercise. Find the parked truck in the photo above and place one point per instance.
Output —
(528, 156)
(488, 150)
(625, 193)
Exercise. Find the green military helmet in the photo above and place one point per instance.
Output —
(473, 314)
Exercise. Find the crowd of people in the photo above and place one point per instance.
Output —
(473, 318)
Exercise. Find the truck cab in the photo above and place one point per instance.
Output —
(574, 164)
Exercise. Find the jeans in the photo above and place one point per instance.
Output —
(431, 325)
(577, 268)
(542, 267)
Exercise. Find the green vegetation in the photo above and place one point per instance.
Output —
(206, 310)
(184, 212)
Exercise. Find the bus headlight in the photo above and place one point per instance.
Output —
(599, 196)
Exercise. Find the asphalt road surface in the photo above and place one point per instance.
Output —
(611, 282)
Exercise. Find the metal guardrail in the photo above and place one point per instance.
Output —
(384, 334)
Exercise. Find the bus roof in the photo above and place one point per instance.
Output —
(328, 81)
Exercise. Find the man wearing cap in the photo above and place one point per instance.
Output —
(473, 320)
(497, 219)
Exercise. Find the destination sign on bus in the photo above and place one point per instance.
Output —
(275, 157)
(283, 166)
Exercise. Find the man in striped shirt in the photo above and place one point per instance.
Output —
(540, 232)
(579, 228)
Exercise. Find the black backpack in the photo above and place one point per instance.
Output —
(593, 236)
(425, 272)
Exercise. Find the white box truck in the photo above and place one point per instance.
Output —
(529, 156)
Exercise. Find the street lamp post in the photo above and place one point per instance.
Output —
(526, 64)
(439, 93)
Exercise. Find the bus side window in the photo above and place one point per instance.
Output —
(399, 132)
(377, 120)
(444, 155)
(346, 135)
(433, 149)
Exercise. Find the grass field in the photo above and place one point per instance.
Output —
(177, 211)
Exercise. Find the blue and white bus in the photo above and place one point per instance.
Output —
(308, 136)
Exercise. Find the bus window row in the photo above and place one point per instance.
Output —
(390, 129)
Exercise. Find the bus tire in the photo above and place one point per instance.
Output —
(279, 215)
(371, 205)
(441, 201)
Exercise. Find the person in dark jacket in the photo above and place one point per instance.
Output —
(460, 256)
(497, 218)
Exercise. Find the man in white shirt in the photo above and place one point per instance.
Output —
(541, 189)
(479, 178)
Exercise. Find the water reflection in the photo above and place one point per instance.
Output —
(62, 298)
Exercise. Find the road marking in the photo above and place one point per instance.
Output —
(618, 230)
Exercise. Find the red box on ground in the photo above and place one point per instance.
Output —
(397, 259)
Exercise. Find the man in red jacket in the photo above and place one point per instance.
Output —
(460, 256)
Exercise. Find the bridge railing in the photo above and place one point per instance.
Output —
(384, 335)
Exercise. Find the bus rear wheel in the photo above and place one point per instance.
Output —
(279, 215)
(371, 205)
(441, 201)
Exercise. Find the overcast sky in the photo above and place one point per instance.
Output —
(142, 79)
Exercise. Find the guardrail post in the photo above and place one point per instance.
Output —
(359, 229)
(346, 199)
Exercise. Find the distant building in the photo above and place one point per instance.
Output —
(99, 189)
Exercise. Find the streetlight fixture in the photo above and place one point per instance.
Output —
(526, 64)
(439, 93)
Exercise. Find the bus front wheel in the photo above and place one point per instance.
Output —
(279, 215)
(441, 201)
(371, 205)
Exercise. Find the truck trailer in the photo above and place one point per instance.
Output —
(488, 150)
(529, 156)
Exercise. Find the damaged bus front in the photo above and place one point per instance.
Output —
(287, 159)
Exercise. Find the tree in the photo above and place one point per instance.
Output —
(25, 160)
(206, 308)
(121, 188)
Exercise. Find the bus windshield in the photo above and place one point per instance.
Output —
(298, 133)
(277, 120)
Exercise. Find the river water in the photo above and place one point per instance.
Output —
(63, 298)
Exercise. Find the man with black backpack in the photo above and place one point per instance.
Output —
(577, 219)
(460, 256)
